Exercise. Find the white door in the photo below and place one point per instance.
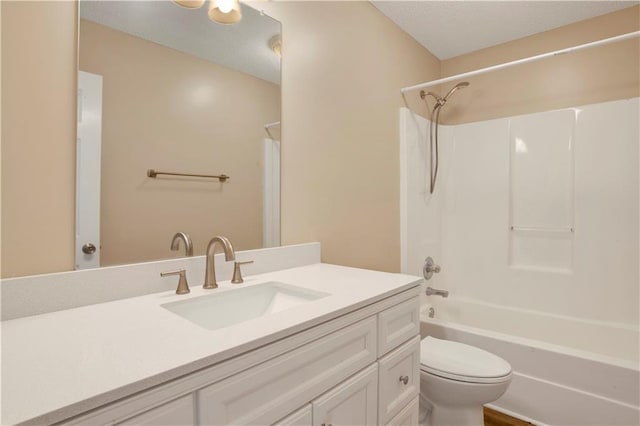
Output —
(271, 194)
(354, 402)
(88, 147)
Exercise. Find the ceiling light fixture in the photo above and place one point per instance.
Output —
(189, 4)
(225, 11)
(275, 43)
(220, 11)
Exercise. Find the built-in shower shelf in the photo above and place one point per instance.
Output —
(541, 191)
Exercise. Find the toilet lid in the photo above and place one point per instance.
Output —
(457, 361)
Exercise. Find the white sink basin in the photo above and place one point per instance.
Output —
(226, 308)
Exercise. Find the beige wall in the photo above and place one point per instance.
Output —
(38, 136)
(171, 111)
(594, 75)
(343, 66)
(340, 155)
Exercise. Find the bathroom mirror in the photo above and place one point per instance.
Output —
(164, 88)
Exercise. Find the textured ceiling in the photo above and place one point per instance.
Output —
(243, 46)
(451, 28)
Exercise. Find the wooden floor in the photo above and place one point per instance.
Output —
(496, 418)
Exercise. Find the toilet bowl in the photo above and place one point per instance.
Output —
(456, 380)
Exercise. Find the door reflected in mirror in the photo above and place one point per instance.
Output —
(163, 87)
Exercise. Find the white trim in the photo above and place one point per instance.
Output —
(88, 160)
(404, 208)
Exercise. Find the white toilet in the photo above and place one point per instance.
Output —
(456, 380)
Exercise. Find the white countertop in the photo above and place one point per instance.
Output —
(63, 363)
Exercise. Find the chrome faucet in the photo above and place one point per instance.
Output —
(188, 245)
(435, 292)
(210, 271)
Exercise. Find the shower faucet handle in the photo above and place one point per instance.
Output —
(430, 268)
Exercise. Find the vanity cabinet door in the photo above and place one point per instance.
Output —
(302, 417)
(178, 412)
(399, 379)
(354, 402)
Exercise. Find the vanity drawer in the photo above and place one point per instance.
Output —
(267, 392)
(398, 324)
(399, 379)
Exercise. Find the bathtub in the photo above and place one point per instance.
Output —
(567, 371)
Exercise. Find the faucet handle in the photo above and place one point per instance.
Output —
(237, 274)
(183, 286)
(429, 268)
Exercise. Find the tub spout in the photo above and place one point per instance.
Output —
(435, 292)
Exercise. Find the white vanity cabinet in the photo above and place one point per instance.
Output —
(359, 368)
(266, 392)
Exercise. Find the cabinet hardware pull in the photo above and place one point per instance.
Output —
(404, 379)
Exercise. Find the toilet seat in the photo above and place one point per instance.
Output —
(460, 362)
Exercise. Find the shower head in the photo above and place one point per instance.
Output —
(456, 87)
(440, 101)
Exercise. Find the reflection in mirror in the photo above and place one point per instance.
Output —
(163, 87)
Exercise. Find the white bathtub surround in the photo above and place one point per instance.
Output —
(39, 294)
(63, 363)
(541, 191)
(420, 211)
(465, 225)
(535, 224)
